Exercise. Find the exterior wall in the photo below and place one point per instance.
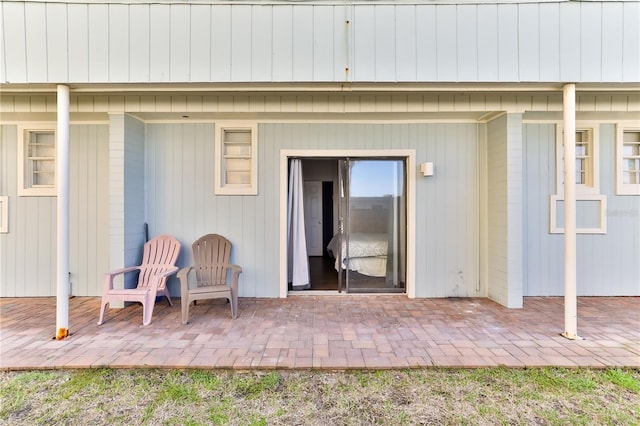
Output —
(504, 162)
(607, 264)
(181, 201)
(178, 42)
(28, 250)
(399, 104)
(126, 193)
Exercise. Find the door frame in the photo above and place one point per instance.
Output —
(409, 156)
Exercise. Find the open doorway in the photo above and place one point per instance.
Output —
(355, 216)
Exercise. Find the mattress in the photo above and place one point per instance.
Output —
(367, 253)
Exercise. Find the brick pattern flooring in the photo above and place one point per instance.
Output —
(332, 332)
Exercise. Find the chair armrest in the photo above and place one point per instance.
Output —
(170, 271)
(160, 277)
(235, 276)
(183, 276)
(234, 268)
(122, 270)
(109, 276)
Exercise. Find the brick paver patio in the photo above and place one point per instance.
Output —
(332, 332)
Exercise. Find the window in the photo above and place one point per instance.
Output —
(37, 161)
(627, 161)
(587, 168)
(590, 204)
(236, 159)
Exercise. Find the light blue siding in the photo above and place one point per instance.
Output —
(119, 36)
(181, 198)
(98, 49)
(607, 264)
(28, 250)
(78, 42)
(182, 43)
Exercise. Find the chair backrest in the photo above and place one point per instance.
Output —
(211, 254)
(160, 254)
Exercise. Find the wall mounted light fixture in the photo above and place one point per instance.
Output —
(426, 169)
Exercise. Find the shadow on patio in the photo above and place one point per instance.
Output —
(333, 332)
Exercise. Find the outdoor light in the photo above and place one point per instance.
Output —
(426, 169)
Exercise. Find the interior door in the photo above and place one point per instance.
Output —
(373, 224)
(313, 217)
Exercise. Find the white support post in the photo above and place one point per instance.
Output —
(62, 189)
(569, 140)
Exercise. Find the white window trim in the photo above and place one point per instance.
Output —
(221, 187)
(553, 218)
(594, 160)
(24, 189)
(623, 188)
(4, 214)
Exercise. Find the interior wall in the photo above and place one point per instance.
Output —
(323, 170)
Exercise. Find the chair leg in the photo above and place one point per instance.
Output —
(147, 307)
(166, 294)
(103, 306)
(184, 303)
(147, 311)
(234, 304)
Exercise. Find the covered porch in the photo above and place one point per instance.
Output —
(323, 332)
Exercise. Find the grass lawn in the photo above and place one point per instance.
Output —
(489, 396)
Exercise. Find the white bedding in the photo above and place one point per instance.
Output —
(367, 253)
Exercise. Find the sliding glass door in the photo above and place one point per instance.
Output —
(372, 227)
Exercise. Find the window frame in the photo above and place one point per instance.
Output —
(621, 187)
(26, 187)
(592, 178)
(601, 227)
(221, 186)
(4, 214)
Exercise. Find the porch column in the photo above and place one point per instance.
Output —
(62, 207)
(569, 140)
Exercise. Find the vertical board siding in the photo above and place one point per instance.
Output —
(446, 43)
(98, 49)
(405, 44)
(549, 62)
(159, 43)
(89, 250)
(467, 47)
(36, 41)
(57, 39)
(529, 47)
(607, 264)
(27, 264)
(119, 36)
(283, 41)
(508, 35)
(119, 43)
(261, 44)
(139, 43)
(181, 198)
(631, 42)
(78, 43)
(487, 40)
(180, 45)
(200, 39)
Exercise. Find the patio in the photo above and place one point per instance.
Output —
(323, 332)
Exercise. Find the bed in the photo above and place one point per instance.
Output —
(367, 253)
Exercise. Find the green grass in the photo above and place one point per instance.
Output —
(547, 396)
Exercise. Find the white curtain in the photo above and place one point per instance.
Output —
(298, 262)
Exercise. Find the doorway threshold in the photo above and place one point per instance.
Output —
(337, 293)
